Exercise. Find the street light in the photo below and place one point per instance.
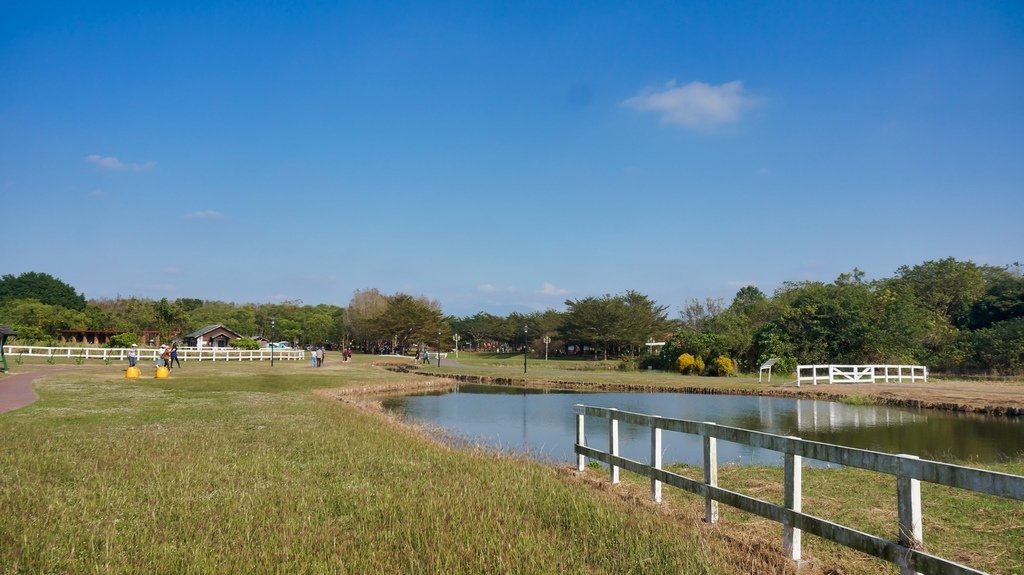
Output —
(438, 348)
(547, 340)
(456, 338)
(272, 323)
(526, 346)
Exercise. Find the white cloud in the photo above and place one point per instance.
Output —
(550, 289)
(206, 214)
(487, 288)
(97, 194)
(171, 270)
(695, 105)
(113, 164)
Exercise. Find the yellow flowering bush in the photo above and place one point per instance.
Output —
(687, 364)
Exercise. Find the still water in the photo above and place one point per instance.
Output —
(542, 424)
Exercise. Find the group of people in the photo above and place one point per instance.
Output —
(316, 356)
(166, 356)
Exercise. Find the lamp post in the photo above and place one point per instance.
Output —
(526, 345)
(272, 323)
(438, 348)
(456, 338)
(547, 340)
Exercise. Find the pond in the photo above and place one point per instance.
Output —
(542, 424)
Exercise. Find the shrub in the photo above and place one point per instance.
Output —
(651, 362)
(686, 364)
(722, 366)
(245, 343)
(123, 340)
(628, 363)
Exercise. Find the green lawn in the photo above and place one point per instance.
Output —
(240, 468)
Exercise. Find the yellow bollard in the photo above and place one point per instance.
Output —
(132, 373)
(162, 373)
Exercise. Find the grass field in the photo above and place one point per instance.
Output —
(240, 467)
(228, 468)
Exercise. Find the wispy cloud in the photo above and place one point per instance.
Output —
(97, 194)
(171, 270)
(206, 214)
(115, 165)
(695, 105)
(550, 289)
(486, 288)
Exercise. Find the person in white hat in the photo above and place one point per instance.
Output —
(133, 355)
(160, 356)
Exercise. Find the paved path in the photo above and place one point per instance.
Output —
(16, 390)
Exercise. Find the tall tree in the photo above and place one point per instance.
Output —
(409, 320)
(597, 321)
(365, 307)
(41, 287)
(644, 319)
(947, 287)
(479, 328)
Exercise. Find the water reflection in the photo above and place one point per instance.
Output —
(541, 423)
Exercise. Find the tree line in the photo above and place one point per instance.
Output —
(954, 316)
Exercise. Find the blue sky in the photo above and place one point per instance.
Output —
(504, 156)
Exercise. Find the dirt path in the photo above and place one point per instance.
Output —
(16, 390)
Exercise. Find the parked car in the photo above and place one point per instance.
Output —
(280, 345)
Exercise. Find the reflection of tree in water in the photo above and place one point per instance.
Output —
(543, 420)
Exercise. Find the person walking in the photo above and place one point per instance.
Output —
(174, 356)
(165, 357)
(320, 356)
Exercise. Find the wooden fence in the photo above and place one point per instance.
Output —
(909, 470)
(860, 374)
(184, 353)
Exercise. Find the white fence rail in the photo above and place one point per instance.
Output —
(816, 374)
(909, 470)
(184, 353)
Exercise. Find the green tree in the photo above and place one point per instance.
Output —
(479, 328)
(315, 328)
(947, 287)
(360, 315)
(409, 320)
(597, 321)
(41, 287)
(998, 349)
(644, 319)
(36, 321)
(1003, 298)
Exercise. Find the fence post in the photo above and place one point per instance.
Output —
(613, 443)
(655, 460)
(908, 501)
(794, 501)
(581, 439)
(710, 471)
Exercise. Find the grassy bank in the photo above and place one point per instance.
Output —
(233, 468)
(240, 467)
(980, 531)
